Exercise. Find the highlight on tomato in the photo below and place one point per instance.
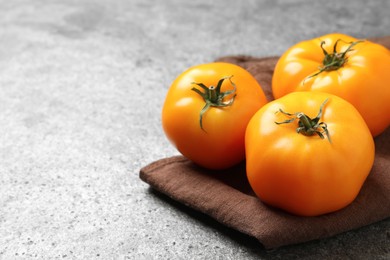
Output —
(206, 111)
(308, 153)
(356, 70)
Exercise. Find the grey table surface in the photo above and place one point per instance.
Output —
(81, 89)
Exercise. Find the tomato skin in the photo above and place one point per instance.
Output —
(307, 175)
(221, 142)
(363, 80)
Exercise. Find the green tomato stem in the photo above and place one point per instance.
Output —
(335, 60)
(214, 97)
(306, 125)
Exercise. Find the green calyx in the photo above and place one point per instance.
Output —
(335, 60)
(214, 97)
(306, 125)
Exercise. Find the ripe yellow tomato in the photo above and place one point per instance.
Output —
(308, 153)
(206, 112)
(356, 70)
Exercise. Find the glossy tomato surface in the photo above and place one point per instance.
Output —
(308, 175)
(362, 75)
(215, 140)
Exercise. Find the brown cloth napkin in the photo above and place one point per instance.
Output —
(227, 197)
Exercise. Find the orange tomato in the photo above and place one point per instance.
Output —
(358, 71)
(206, 112)
(308, 153)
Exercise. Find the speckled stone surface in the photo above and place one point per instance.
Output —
(82, 83)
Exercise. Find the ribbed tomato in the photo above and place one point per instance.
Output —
(206, 112)
(356, 70)
(308, 153)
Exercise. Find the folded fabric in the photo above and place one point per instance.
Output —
(227, 197)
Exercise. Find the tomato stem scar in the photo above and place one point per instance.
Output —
(306, 125)
(335, 60)
(214, 97)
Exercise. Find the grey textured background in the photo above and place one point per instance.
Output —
(82, 84)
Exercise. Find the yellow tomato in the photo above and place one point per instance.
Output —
(206, 112)
(356, 70)
(308, 153)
